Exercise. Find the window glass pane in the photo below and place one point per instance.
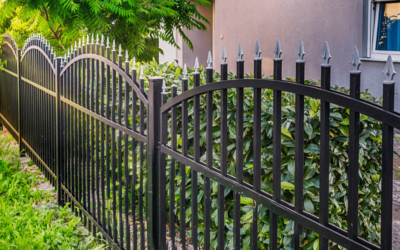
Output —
(388, 27)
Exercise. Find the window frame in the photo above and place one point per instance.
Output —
(370, 32)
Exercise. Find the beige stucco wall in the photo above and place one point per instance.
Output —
(315, 21)
(201, 40)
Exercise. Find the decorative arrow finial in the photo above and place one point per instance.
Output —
(79, 44)
(326, 55)
(300, 51)
(92, 38)
(133, 63)
(257, 50)
(278, 50)
(120, 50)
(196, 65)
(389, 69)
(97, 39)
(68, 53)
(72, 49)
(87, 39)
(163, 88)
(184, 71)
(54, 53)
(75, 45)
(113, 45)
(240, 52)
(141, 71)
(209, 60)
(126, 56)
(102, 39)
(83, 40)
(108, 42)
(224, 56)
(355, 60)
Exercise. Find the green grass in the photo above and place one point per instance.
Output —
(22, 226)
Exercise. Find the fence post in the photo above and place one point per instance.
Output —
(153, 160)
(60, 197)
(19, 102)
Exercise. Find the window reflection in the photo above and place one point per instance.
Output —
(388, 27)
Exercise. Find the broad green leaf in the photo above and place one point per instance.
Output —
(287, 185)
(312, 148)
(308, 128)
(316, 244)
(308, 206)
(246, 201)
(314, 105)
(286, 132)
(345, 121)
(344, 130)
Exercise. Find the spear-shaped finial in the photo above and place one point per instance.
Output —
(300, 51)
(92, 38)
(184, 71)
(83, 40)
(355, 60)
(209, 60)
(97, 39)
(278, 50)
(163, 88)
(133, 63)
(196, 65)
(240, 52)
(120, 50)
(102, 39)
(87, 39)
(68, 53)
(113, 45)
(126, 56)
(79, 44)
(108, 42)
(75, 45)
(257, 50)
(223, 56)
(54, 53)
(326, 55)
(141, 71)
(72, 49)
(389, 69)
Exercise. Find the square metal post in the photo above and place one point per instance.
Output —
(153, 160)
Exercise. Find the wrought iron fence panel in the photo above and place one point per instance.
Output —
(130, 164)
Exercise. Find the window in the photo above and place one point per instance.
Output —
(383, 35)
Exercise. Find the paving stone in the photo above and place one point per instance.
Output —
(396, 235)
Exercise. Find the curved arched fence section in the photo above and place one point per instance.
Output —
(9, 86)
(152, 170)
(195, 156)
(38, 105)
(103, 142)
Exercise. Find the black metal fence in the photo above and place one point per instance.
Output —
(112, 150)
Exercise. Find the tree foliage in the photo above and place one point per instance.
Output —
(136, 24)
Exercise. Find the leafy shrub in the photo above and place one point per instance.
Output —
(370, 158)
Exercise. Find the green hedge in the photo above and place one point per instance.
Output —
(370, 160)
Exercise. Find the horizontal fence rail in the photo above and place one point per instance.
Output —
(135, 166)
